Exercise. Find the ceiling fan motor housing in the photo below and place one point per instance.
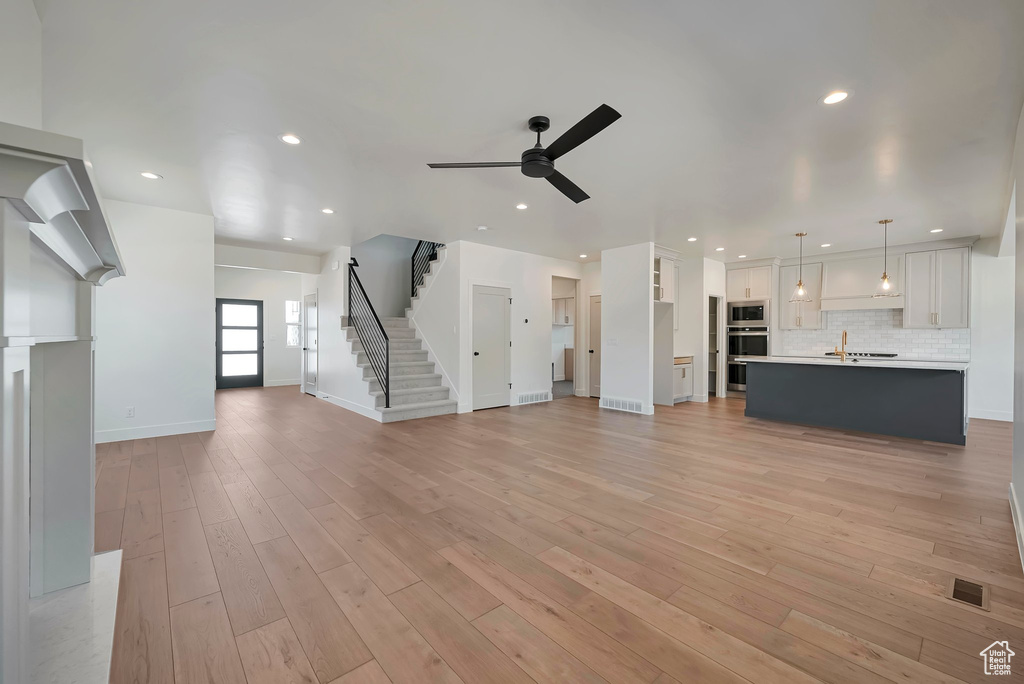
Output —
(535, 164)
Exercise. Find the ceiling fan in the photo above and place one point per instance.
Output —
(539, 162)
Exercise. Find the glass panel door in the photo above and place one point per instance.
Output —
(239, 343)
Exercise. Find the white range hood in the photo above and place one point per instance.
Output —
(849, 284)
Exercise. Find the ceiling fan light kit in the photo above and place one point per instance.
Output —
(539, 162)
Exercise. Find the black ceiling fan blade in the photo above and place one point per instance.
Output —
(585, 129)
(474, 165)
(567, 187)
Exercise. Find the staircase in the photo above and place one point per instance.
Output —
(416, 390)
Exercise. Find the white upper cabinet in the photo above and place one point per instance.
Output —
(938, 289)
(570, 311)
(664, 280)
(800, 315)
(749, 283)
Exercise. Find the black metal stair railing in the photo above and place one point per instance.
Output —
(424, 253)
(370, 330)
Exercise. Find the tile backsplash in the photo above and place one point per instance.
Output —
(878, 330)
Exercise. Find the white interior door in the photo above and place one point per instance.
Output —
(492, 346)
(309, 344)
(595, 346)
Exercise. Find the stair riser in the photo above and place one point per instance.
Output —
(393, 333)
(396, 345)
(418, 413)
(403, 383)
(398, 371)
(403, 399)
(396, 356)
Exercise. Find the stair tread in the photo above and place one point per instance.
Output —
(402, 364)
(420, 405)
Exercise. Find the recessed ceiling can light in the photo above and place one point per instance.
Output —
(521, 206)
(481, 227)
(287, 239)
(327, 211)
(291, 139)
(936, 230)
(150, 175)
(719, 249)
(827, 244)
(691, 239)
(835, 97)
(583, 256)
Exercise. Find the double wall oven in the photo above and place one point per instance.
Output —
(747, 336)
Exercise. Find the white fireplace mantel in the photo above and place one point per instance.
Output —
(56, 246)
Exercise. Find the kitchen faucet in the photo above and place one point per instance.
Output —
(841, 353)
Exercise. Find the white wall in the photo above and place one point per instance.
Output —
(385, 270)
(21, 64)
(281, 364)
(155, 327)
(436, 316)
(340, 380)
(627, 324)
(989, 384)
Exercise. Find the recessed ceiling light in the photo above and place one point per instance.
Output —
(150, 175)
(719, 249)
(583, 256)
(481, 227)
(520, 206)
(827, 244)
(291, 139)
(691, 239)
(835, 97)
(936, 230)
(327, 211)
(288, 239)
(743, 256)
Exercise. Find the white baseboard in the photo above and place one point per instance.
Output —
(1006, 416)
(558, 378)
(1016, 513)
(144, 432)
(281, 383)
(582, 393)
(365, 411)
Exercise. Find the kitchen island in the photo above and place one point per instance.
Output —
(918, 399)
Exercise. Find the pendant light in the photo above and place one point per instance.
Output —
(800, 294)
(886, 288)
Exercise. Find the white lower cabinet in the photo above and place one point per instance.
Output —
(682, 381)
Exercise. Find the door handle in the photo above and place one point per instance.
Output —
(476, 353)
(591, 351)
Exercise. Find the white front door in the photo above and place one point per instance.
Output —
(492, 349)
(309, 344)
(595, 346)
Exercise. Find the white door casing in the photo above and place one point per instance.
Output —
(309, 344)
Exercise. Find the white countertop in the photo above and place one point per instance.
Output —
(860, 361)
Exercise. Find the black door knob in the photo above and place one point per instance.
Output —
(591, 351)
(476, 353)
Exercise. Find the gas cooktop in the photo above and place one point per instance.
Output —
(875, 355)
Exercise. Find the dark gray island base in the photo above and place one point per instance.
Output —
(916, 402)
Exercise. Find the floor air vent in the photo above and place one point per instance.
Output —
(968, 592)
(622, 404)
(534, 397)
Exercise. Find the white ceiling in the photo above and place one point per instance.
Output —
(721, 137)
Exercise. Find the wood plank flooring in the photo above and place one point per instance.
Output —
(554, 542)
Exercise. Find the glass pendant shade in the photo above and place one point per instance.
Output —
(885, 287)
(800, 293)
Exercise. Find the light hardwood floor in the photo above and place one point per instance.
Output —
(553, 542)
